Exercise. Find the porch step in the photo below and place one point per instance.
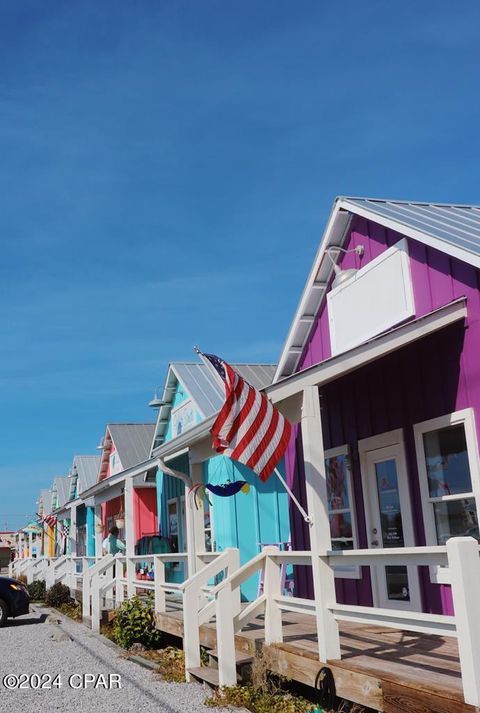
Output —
(241, 658)
(206, 674)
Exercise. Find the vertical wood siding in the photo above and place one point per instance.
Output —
(430, 378)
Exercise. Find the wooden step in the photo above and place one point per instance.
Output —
(241, 658)
(207, 674)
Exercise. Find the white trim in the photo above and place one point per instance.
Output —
(371, 450)
(336, 227)
(440, 575)
(347, 571)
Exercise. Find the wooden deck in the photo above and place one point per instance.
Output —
(388, 670)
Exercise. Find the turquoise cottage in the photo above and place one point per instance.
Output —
(191, 396)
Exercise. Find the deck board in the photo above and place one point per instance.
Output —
(387, 669)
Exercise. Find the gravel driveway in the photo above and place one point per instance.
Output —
(26, 646)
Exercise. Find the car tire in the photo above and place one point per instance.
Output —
(3, 613)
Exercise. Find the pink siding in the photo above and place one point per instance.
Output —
(438, 375)
(145, 512)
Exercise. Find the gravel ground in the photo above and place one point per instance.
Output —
(26, 646)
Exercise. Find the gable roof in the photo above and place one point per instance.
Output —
(85, 470)
(46, 498)
(450, 228)
(63, 490)
(204, 389)
(133, 441)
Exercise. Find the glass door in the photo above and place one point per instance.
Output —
(389, 524)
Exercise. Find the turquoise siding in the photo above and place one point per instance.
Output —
(90, 531)
(250, 520)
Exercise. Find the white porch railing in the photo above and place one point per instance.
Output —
(460, 555)
(199, 606)
(112, 578)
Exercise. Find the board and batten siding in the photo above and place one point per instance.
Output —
(433, 377)
(247, 520)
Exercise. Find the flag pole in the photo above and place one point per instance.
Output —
(303, 513)
(210, 367)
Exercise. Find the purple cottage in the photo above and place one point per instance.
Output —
(388, 333)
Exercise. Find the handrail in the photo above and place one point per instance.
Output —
(241, 574)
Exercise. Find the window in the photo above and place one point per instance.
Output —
(173, 524)
(448, 467)
(340, 505)
(207, 527)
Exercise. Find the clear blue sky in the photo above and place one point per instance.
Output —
(166, 171)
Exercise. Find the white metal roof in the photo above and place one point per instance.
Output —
(85, 470)
(133, 441)
(205, 390)
(451, 228)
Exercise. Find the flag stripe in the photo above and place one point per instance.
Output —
(248, 429)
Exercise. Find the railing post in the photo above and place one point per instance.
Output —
(131, 576)
(96, 608)
(159, 580)
(191, 629)
(227, 669)
(464, 566)
(86, 593)
(119, 585)
(272, 588)
(233, 565)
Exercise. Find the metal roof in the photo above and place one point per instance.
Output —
(451, 228)
(62, 486)
(457, 226)
(85, 469)
(133, 441)
(46, 498)
(204, 388)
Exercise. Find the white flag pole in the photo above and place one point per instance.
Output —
(304, 514)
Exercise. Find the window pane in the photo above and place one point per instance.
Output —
(389, 502)
(397, 583)
(341, 525)
(337, 477)
(447, 461)
(455, 518)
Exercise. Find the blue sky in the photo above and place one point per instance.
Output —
(166, 171)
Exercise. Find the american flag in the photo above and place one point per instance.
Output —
(49, 520)
(248, 429)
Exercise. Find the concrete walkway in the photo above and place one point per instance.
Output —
(31, 645)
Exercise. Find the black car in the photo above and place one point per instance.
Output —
(14, 599)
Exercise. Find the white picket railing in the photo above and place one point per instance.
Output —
(460, 555)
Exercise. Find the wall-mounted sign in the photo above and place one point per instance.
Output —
(183, 418)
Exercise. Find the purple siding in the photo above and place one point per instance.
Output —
(433, 377)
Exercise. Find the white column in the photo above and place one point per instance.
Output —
(73, 530)
(320, 540)
(30, 543)
(129, 535)
(195, 520)
(98, 531)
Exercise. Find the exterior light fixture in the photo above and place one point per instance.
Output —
(156, 402)
(342, 276)
(101, 445)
